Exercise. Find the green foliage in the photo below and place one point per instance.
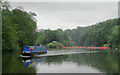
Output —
(113, 38)
(26, 27)
(59, 45)
(9, 33)
(119, 34)
(18, 29)
(50, 45)
(95, 35)
(106, 45)
(54, 45)
(47, 36)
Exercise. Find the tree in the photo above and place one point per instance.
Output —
(18, 28)
(94, 35)
(9, 38)
(47, 36)
(113, 38)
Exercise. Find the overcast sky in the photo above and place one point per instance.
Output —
(69, 15)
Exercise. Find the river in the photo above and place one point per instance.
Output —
(63, 61)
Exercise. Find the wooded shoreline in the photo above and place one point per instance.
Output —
(19, 28)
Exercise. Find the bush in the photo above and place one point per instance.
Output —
(59, 45)
(50, 45)
(106, 45)
(54, 45)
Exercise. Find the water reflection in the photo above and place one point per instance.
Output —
(104, 61)
(32, 62)
(65, 67)
(12, 64)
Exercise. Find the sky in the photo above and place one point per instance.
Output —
(64, 0)
(69, 15)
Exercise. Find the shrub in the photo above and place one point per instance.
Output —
(55, 45)
(50, 45)
(59, 45)
(106, 45)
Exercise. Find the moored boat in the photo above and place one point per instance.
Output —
(31, 50)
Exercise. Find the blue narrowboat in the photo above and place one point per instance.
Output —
(30, 50)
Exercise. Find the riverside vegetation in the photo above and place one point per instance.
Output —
(19, 29)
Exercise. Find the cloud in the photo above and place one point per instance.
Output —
(68, 15)
(64, 0)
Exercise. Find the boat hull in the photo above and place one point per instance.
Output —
(33, 53)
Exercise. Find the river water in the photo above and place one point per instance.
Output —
(63, 61)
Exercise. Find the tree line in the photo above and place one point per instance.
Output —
(101, 34)
(48, 36)
(18, 28)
